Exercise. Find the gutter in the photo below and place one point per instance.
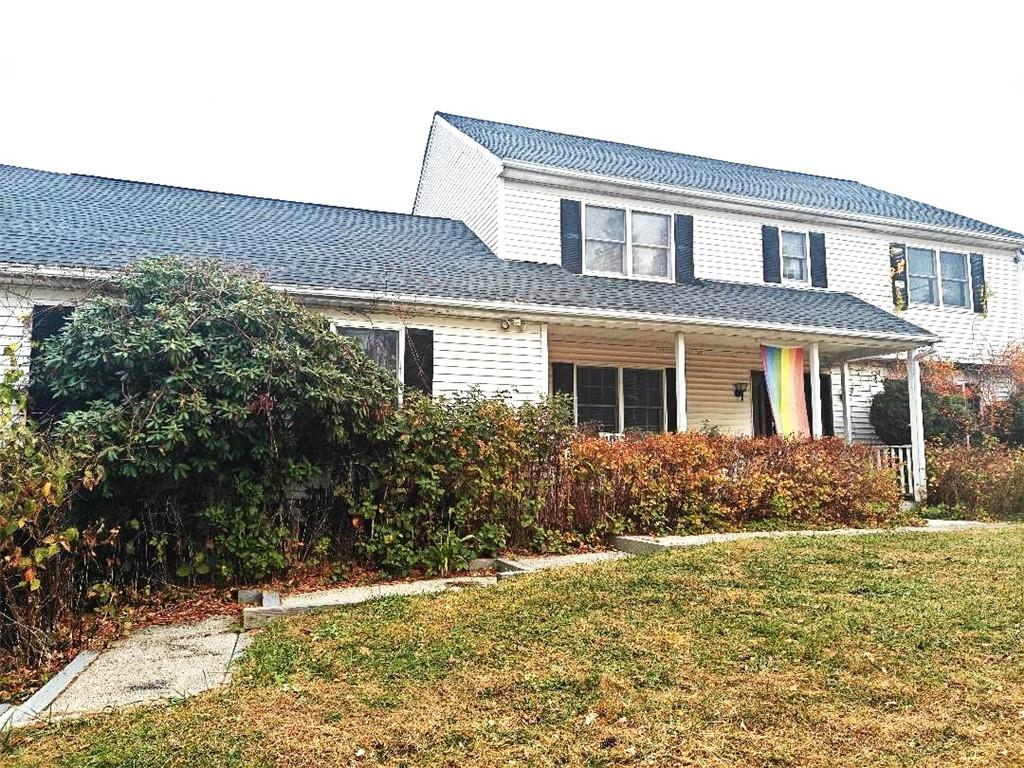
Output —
(504, 307)
(585, 313)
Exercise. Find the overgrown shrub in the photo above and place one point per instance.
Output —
(216, 406)
(470, 475)
(695, 482)
(465, 475)
(978, 480)
(40, 549)
(207, 397)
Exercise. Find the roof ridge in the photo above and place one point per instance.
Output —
(628, 145)
(241, 195)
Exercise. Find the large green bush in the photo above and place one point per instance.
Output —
(947, 418)
(207, 397)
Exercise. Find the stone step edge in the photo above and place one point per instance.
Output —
(35, 707)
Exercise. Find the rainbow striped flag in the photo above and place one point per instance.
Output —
(784, 378)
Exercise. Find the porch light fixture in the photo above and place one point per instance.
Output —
(738, 389)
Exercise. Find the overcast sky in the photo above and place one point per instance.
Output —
(331, 102)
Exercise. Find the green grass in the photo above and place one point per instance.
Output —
(887, 650)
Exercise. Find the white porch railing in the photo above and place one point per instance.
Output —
(899, 458)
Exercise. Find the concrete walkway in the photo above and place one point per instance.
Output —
(155, 664)
(165, 663)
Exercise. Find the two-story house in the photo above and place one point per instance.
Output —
(646, 285)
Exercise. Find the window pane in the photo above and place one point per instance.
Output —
(954, 265)
(793, 245)
(642, 400)
(380, 346)
(922, 290)
(921, 261)
(794, 256)
(793, 269)
(652, 262)
(650, 229)
(606, 224)
(605, 257)
(954, 293)
(597, 398)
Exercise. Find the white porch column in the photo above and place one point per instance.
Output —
(544, 385)
(680, 383)
(920, 477)
(815, 392)
(847, 408)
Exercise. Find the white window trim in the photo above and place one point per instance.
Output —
(336, 325)
(937, 264)
(628, 255)
(621, 396)
(807, 256)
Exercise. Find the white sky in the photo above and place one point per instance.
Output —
(331, 102)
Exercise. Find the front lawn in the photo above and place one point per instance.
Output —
(892, 650)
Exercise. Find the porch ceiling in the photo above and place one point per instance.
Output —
(657, 341)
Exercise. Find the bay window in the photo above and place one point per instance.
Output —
(628, 243)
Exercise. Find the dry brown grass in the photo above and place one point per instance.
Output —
(887, 650)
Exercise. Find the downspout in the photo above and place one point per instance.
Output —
(1017, 258)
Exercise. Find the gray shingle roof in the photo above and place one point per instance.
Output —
(608, 158)
(60, 220)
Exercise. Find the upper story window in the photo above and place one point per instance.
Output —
(955, 290)
(794, 256)
(941, 283)
(634, 243)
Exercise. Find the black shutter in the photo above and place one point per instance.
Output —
(898, 271)
(670, 398)
(828, 428)
(419, 360)
(684, 248)
(770, 254)
(562, 379)
(978, 283)
(819, 269)
(572, 236)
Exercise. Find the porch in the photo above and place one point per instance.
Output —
(624, 377)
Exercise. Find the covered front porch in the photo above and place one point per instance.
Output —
(632, 376)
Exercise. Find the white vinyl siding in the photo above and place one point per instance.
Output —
(16, 303)
(728, 247)
(474, 353)
(865, 382)
(459, 180)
